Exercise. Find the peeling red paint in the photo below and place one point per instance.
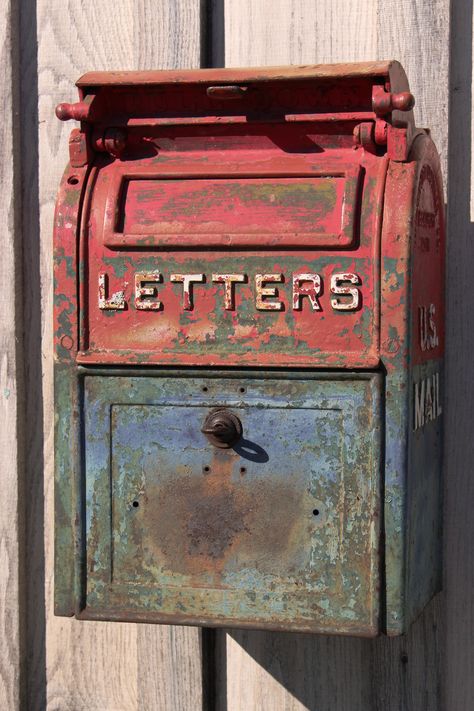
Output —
(267, 218)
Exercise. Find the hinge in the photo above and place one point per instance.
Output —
(79, 149)
(388, 128)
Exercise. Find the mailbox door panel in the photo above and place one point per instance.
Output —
(281, 530)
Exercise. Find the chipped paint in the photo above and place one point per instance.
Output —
(300, 289)
(115, 302)
(267, 296)
(229, 292)
(144, 293)
(270, 234)
(257, 518)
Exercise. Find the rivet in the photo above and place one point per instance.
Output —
(66, 342)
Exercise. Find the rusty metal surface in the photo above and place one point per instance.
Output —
(223, 428)
(285, 220)
(390, 69)
(413, 249)
(282, 528)
(271, 220)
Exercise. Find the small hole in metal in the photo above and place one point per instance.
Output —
(73, 180)
(136, 504)
(206, 468)
(242, 390)
(204, 388)
(243, 470)
(315, 512)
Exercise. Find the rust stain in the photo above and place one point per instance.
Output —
(199, 525)
(272, 219)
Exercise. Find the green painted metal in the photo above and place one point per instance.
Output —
(309, 218)
(282, 529)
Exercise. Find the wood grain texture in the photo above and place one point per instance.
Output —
(34, 613)
(169, 668)
(459, 443)
(267, 671)
(271, 671)
(408, 672)
(10, 373)
(88, 665)
(417, 34)
(299, 31)
(114, 666)
(294, 672)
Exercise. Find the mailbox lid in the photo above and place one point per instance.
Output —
(282, 531)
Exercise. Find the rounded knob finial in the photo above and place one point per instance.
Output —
(222, 428)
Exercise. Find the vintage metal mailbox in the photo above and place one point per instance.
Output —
(249, 333)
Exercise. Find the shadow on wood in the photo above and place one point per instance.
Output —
(459, 440)
(34, 641)
(322, 673)
(298, 671)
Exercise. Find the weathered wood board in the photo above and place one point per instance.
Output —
(91, 665)
(268, 671)
(10, 369)
(46, 45)
(458, 644)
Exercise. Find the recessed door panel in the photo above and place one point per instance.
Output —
(281, 527)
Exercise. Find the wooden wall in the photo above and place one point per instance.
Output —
(10, 370)
(64, 665)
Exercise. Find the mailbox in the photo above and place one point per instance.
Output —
(249, 332)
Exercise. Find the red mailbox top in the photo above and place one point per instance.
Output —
(230, 216)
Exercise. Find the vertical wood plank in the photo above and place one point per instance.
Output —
(34, 595)
(170, 668)
(417, 34)
(299, 31)
(294, 672)
(408, 671)
(268, 671)
(101, 666)
(459, 443)
(10, 369)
